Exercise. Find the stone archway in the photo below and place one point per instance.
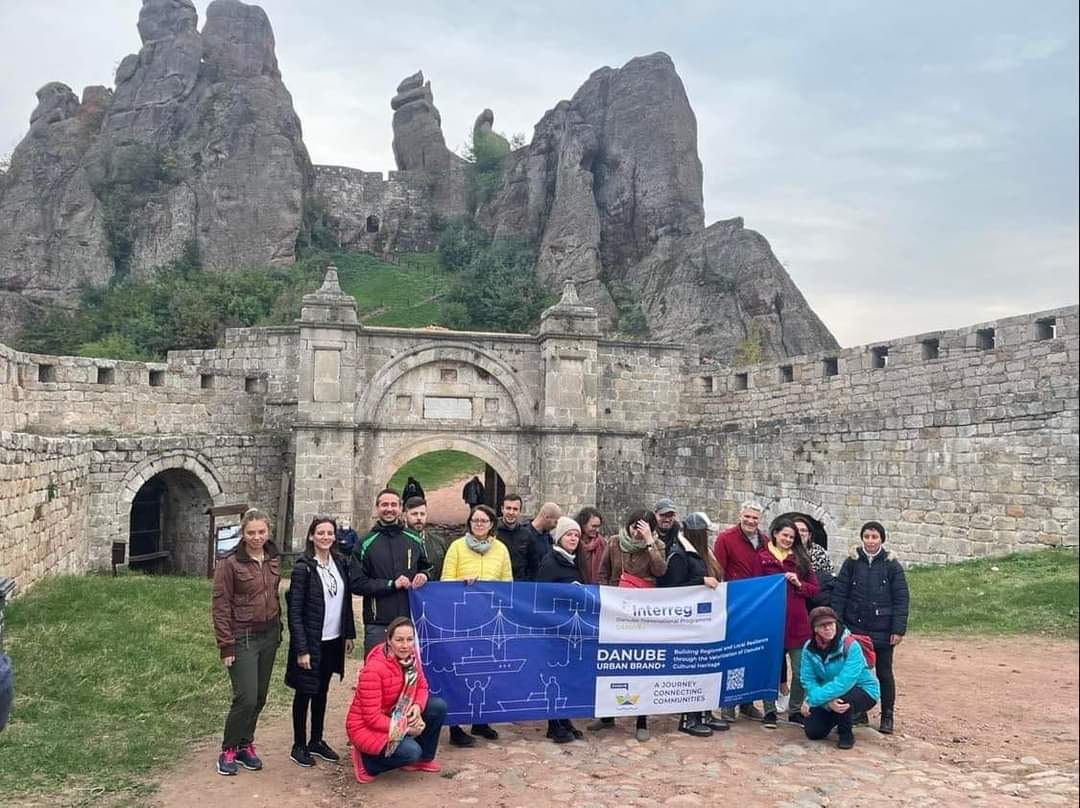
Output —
(782, 505)
(462, 353)
(175, 488)
(503, 467)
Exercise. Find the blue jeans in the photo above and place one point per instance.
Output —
(412, 750)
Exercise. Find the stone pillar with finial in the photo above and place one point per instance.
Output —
(569, 345)
(323, 431)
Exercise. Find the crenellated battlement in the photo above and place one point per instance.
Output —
(931, 364)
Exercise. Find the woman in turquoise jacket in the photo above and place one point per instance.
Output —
(836, 678)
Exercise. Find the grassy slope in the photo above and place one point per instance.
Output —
(114, 676)
(436, 469)
(1027, 592)
(405, 294)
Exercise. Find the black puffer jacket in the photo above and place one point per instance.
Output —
(872, 598)
(684, 566)
(306, 608)
(558, 569)
(523, 554)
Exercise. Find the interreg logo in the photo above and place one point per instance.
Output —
(646, 611)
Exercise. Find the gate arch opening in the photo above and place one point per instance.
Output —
(452, 480)
(167, 524)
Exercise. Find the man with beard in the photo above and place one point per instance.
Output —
(385, 564)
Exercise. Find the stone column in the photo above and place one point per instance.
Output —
(569, 334)
(323, 433)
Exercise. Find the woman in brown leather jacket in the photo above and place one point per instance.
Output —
(247, 624)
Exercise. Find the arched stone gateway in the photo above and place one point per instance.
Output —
(503, 467)
(370, 400)
(447, 361)
(174, 489)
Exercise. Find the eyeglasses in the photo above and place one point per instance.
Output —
(483, 521)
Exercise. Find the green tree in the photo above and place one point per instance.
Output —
(497, 291)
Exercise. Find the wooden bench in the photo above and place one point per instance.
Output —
(119, 549)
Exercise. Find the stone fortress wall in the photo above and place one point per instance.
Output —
(964, 443)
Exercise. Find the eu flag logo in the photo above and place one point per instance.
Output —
(704, 608)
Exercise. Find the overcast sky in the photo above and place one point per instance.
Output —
(914, 165)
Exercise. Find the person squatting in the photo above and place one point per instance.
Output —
(841, 627)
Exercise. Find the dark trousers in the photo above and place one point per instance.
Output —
(331, 654)
(373, 635)
(412, 750)
(821, 719)
(883, 671)
(250, 675)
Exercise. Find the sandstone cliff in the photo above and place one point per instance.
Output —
(610, 188)
(198, 143)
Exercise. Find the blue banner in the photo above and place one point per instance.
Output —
(523, 651)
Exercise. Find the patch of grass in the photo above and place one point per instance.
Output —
(1036, 592)
(114, 678)
(402, 294)
(435, 469)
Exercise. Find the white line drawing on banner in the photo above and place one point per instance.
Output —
(480, 635)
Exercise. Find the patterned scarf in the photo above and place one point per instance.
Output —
(480, 546)
(399, 722)
(630, 544)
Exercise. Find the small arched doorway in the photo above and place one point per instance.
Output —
(167, 524)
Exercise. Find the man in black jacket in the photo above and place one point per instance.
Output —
(385, 564)
(540, 532)
(871, 596)
(518, 540)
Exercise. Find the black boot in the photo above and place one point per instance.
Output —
(458, 737)
(714, 722)
(691, 724)
(886, 725)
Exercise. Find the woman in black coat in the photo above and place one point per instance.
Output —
(563, 565)
(321, 634)
(870, 595)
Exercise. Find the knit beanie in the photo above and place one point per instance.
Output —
(822, 614)
(564, 524)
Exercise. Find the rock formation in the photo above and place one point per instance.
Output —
(198, 143)
(610, 188)
(419, 145)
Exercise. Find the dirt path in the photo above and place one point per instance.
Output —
(980, 722)
(445, 505)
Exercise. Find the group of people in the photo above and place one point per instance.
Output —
(840, 629)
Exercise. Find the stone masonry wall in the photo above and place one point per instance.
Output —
(971, 453)
(376, 215)
(43, 505)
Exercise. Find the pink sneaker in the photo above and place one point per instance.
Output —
(247, 758)
(226, 762)
(423, 766)
(361, 773)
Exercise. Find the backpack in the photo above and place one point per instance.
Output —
(7, 689)
(867, 644)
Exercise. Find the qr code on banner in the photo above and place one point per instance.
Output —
(735, 679)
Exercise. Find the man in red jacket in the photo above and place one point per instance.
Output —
(736, 551)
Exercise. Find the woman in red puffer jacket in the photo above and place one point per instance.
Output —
(393, 723)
